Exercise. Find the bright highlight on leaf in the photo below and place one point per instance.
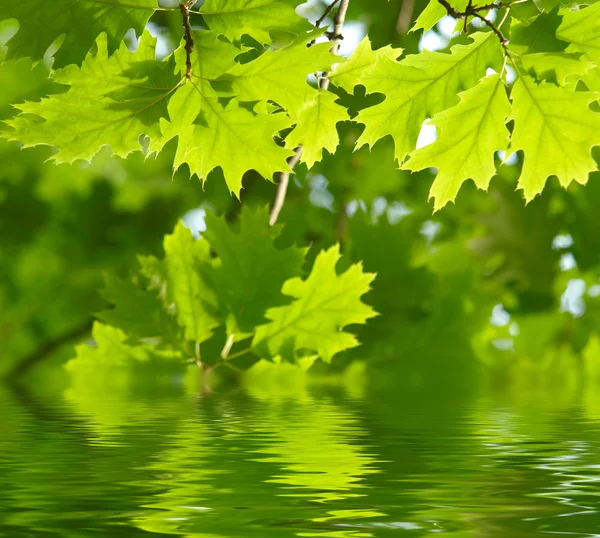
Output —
(556, 131)
(468, 136)
(235, 139)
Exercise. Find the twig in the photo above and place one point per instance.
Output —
(326, 12)
(474, 12)
(284, 179)
(469, 6)
(335, 36)
(494, 28)
(405, 16)
(239, 354)
(187, 36)
(451, 11)
(47, 349)
(227, 346)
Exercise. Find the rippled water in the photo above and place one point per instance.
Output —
(233, 464)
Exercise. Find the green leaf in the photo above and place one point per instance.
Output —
(346, 74)
(556, 131)
(252, 270)
(111, 101)
(325, 303)
(430, 16)
(280, 75)
(435, 12)
(257, 18)
(316, 128)
(549, 5)
(22, 80)
(469, 134)
(538, 35)
(195, 302)
(111, 350)
(234, 139)
(210, 58)
(564, 68)
(421, 86)
(582, 30)
(136, 311)
(81, 22)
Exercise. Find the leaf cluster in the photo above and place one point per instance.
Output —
(208, 297)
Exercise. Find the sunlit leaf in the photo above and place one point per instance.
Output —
(324, 304)
(556, 130)
(469, 134)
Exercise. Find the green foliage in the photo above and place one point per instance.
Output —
(111, 101)
(230, 91)
(256, 18)
(420, 86)
(240, 281)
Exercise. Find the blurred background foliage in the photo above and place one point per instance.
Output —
(488, 288)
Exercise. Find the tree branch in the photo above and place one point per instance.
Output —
(334, 37)
(325, 13)
(474, 12)
(284, 179)
(405, 16)
(187, 35)
(47, 349)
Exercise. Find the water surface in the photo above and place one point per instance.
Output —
(237, 464)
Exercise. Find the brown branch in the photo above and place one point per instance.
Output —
(327, 12)
(47, 349)
(334, 37)
(187, 36)
(487, 7)
(494, 28)
(474, 12)
(469, 6)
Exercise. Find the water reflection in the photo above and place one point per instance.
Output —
(232, 464)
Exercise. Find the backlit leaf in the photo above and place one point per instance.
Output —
(556, 130)
(316, 128)
(81, 22)
(324, 304)
(468, 136)
(420, 86)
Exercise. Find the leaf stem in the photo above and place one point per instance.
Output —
(238, 354)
